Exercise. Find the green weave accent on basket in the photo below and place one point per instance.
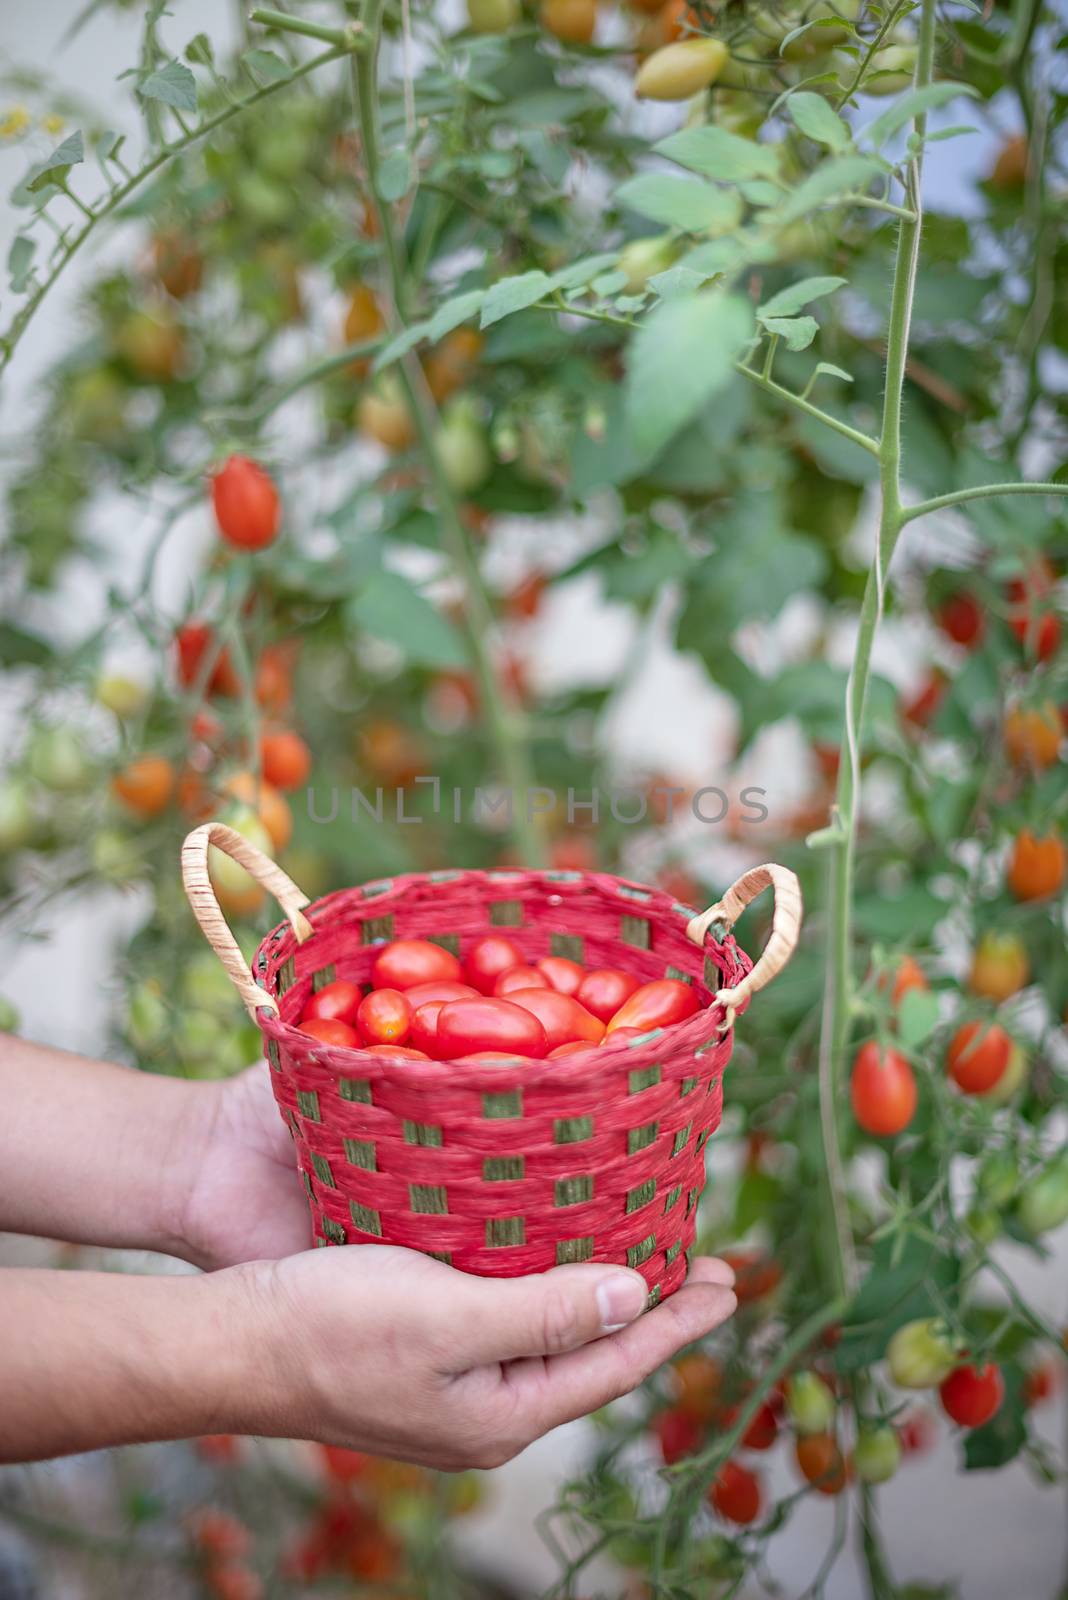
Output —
(361, 1153)
(673, 1197)
(643, 1078)
(447, 941)
(334, 1231)
(376, 929)
(712, 975)
(641, 1138)
(680, 1139)
(271, 1052)
(691, 1200)
(380, 886)
(709, 1044)
(568, 1250)
(308, 1104)
(503, 1169)
(641, 1251)
(326, 975)
(570, 945)
(573, 1191)
(702, 1140)
(671, 1252)
(502, 1231)
(356, 1089)
(572, 1130)
(306, 1181)
(286, 974)
(641, 1196)
(654, 1296)
(687, 1086)
(713, 1083)
(424, 1133)
(562, 875)
(677, 972)
(429, 1199)
(629, 892)
(322, 1170)
(506, 913)
(635, 931)
(443, 875)
(291, 1123)
(502, 1104)
(366, 1218)
(440, 1255)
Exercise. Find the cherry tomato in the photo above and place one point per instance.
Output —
(978, 1055)
(271, 807)
(192, 643)
(1043, 1203)
(604, 989)
(329, 1031)
(488, 958)
(679, 71)
(285, 760)
(624, 1033)
(341, 1464)
(972, 1395)
(420, 993)
(467, 1027)
(877, 1454)
(220, 1449)
(563, 1018)
(1033, 735)
(678, 1433)
(810, 1405)
(273, 678)
(1037, 866)
(920, 709)
(520, 978)
(423, 1031)
(656, 1005)
(821, 1462)
(246, 504)
(145, 786)
(406, 962)
(917, 1433)
(1000, 967)
(219, 1535)
(882, 1090)
(962, 617)
(561, 974)
(920, 1354)
(1031, 617)
(736, 1493)
(572, 1047)
(232, 1581)
(1040, 1384)
(451, 363)
(755, 1275)
(698, 1381)
(908, 975)
(384, 1017)
(762, 1431)
(401, 1051)
(335, 1002)
(573, 21)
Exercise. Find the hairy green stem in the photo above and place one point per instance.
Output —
(343, 38)
(985, 491)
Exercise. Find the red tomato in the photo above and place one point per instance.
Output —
(656, 1005)
(285, 759)
(406, 962)
(755, 1275)
(604, 990)
(466, 1027)
(384, 1017)
(401, 1051)
(562, 974)
(821, 1462)
(420, 993)
(679, 1434)
(972, 1395)
(883, 1090)
(1030, 615)
(246, 504)
(488, 958)
(194, 641)
(562, 1017)
(218, 1534)
(341, 1464)
(978, 1055)
(232, 1581)
(962, 618)
(926, 701)
(520, 978)
(337, 1002)
(423, 1033)
(697, 1379)
(917, 1433)
(569, 1049)
(329, 1031)
(221, 1449)
(761, 1432)
(495, 1058)
(735, 1493)
(1040, 1383)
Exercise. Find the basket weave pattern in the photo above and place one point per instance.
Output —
(502, 1170)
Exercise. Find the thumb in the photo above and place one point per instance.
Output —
(503, 1319)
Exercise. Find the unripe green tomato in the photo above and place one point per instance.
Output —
(58, 760)
(999, 1177)
(983, 1222)
(262, 201)
(463, 451)
(810, 1405)
(1043, 1202)
(17, 821)
(196, 1035)
(206, 986)
(895, 64)
(115, 858)
(921, 1354)
(877, 1454)
(146, 1015)
(123, 696)
(642, 259)
(681, 70)
(9, 1017)
(493, 16)
(228, 875)
(1011, 1080)
(96, 406)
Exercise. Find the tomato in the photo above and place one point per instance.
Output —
(401, 1052)
(736, 1494)
(972, 1395)
(520, 978)
(562, 975)
(678, 1433)
(407, 962)
(821, 1463)
(697, 1379)
(762, 1431)
(604, 989)
(285, 760)
(920, 1354)
(363, 321)
(907, 975)
(492, 16)
(263, 798)
(246, 504)
(418, 994)
(1010, 168)
(236, 889)
(179, 264)
(329, 1031)
(655, 1005)
(1030, 615)
(145, 786)
(475, 1026)
(876, 1455)
(218, 1534)
(123, 696)
(424, 1024)
(810, 1405)
(925, 702)
(195, 641)
(384, 1017)
(392, 753)
(977, 1056)
(1000, 967)
(1037, 866)
(521, 604)
(273, 678)
(341, 1464)
(382, 413)
(962, 617)
(917, 1433)
(1043, 1203)
(573, 21)
(220, 1449)
(1040, 1384)
(451, 363)
(488, 958)
(562, 1017)
(232, 1581)
(151, 346)
(462, 449)
(882, 1090)
(494, 1058)
(678, 71)
(1033, 734)
(570, 1048)
(755, 1275)
(58, 760)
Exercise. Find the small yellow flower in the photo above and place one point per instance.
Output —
(53, 123)
(14, 122)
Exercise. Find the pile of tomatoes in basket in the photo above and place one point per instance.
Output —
(424, 1004)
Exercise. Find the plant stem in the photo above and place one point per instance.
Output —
(479, 622)
(864, 440)
(985, 491)
(267, 17)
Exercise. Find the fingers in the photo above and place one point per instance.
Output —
(502, 1319)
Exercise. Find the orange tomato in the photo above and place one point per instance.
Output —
(271, 807)
(383, 415)
(1000, 967)
(363, 320)
(178, 263)
(285, 759)
(908, 974)
(451, 363)
(821, 1463)
(1033, 734)
(273, 678)
(145, 786)
(755, 1275)
(1010, 168)
(1037, 866)
(572, 21)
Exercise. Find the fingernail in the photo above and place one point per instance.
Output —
(620, 1298)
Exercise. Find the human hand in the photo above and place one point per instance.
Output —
(385, 1350)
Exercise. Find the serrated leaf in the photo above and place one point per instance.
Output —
(265, 67)
(829, 181)
(912, 104)
(715, 153)
(798, 332)
(681, 355)
(817, 120)
(513, 294)
(54, 168)
(684, 203)
(391, 608)
(395, 176)
(792, 299)
(20, 261)
(917, 1017)
(173, 84)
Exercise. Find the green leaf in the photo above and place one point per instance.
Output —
(678, 280)
(54, 168)
(395, 176)
(897, 1289)
(21, 649)
(173, 84)
(391, 608)
(798, 332)
(20, 261)
(679, 357)
(684, 203)
(917, 1017)
(789, 301)
(450, 314)
(817, 120)
(265, 67)
(912, 104)
(1004, 1436)
(833, 372)
(584, 271)
(513, 294)
(829, 181)
(715, 153)
(199, 50)
(108, 144)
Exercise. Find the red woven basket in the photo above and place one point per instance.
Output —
(512, 1168)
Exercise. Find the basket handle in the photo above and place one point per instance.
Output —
(206, 909)
(782, 941)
